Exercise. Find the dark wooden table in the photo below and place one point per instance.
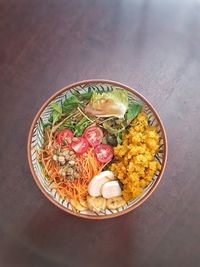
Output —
(153, 46)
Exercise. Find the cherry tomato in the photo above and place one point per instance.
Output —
(104, 153)
(94, 135)
(64, 137)
(79, 145)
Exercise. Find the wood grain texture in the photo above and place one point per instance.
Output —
(153, 46)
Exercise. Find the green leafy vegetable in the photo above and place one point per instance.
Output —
(56, 116)
(86, 95)
(115, 126)
(108, 104)
(57, 107)
(82, 96)
(133, 109)
(119, 138)
(112, 127)
(81, 126)
(72, 99)
(57, 112)
(70, 103)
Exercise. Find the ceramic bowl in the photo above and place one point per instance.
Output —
(35, 141)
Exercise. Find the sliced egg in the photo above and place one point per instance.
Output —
(94, 187)
(111, 189)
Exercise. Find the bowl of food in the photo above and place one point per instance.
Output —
(97, 149)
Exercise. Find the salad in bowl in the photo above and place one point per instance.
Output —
(97, 149)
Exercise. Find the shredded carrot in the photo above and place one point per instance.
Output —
(75, 188)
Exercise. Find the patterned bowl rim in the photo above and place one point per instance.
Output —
(123, 86)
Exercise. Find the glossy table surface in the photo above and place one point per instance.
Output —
(153, 46)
